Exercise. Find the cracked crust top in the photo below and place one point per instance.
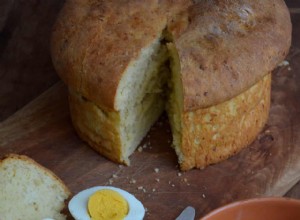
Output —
(224, 47)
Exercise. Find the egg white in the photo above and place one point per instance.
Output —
(78, 204)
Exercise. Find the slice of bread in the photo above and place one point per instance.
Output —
(29, 191)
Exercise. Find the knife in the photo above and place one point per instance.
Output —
(187, 214)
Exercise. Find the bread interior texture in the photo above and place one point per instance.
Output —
(151, 85)
(174, 104)
(29, 193)
(140, 96)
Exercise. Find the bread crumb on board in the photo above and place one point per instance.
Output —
(284, 63)
(186, 181)
(142, 189)
(132, 181)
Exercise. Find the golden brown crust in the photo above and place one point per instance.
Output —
(28, 160)
(213, 134)
(225, 47)
(98, 128)
(94, 42)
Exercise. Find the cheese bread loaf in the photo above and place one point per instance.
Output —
(207, 63)
(30, 191)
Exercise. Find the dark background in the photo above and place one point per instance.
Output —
(25, 63)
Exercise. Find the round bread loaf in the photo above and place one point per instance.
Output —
(207, 63)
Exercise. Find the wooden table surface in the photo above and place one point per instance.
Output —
(25, 64)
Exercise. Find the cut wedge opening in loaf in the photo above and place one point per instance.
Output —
(140, 95)
(141, 98)
(151, 84)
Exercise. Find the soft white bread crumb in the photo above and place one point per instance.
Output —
(139, 96)
(29, 191)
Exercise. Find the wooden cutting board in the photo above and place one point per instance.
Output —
(268, 167)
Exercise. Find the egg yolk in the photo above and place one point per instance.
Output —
(107, 204)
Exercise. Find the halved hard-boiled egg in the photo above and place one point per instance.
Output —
(106, 203)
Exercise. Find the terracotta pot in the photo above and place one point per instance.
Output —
(258, 209)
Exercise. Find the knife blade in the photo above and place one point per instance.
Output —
(187, 214)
